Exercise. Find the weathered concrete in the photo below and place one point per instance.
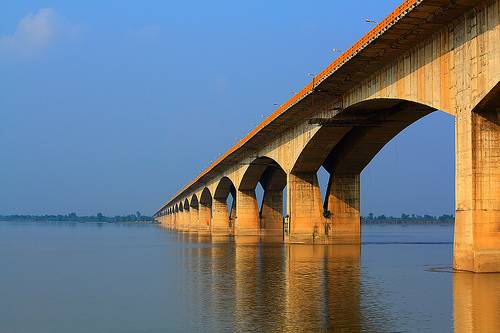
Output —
(305, 208)
(247, 212)
(427, 55)
(477, 229)
(343, 197)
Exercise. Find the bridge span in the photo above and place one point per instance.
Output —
(427, 55)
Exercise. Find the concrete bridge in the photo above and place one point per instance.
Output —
(427, 55)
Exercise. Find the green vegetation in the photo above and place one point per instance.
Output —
(406, 218)
(72, 217)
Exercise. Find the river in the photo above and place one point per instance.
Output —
(76, 277)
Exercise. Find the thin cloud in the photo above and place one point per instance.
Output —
(33, 34)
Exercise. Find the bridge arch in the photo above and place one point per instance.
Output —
(194, 201)
(344, 145)
(224, 207)
(268, 219)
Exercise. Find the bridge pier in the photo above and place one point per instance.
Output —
(247, 212)
(193, 219)
(183, 217)
(220, 219)
(274, 181)
(204, 216)
(272, 216)
(343, 199)
(477, 225)
(305, 209)
(174, 220)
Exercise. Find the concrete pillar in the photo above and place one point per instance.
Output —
(247, 212)
(182, 219)
(232, 215)
(477, 225)
(305, 208)
(343, 197)
(187, 220)
(220, 218)
(204, 216)
(193, 219)
(272, 213)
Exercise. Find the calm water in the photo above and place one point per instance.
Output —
(140, 278)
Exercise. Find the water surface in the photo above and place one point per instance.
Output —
(74, 277)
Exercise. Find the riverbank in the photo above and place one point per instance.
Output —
(406, 222)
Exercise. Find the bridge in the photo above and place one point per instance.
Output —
(427, 55)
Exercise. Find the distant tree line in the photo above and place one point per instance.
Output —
(72, 217)
(407, 218)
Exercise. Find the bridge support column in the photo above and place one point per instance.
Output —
(247, 213)
(272, 215)
(343, 197)
(305, 209)
(477, 226)
(204, 216)
(182, 221)
(220, 219)
(193, 219)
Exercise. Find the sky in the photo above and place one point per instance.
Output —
(113, 105)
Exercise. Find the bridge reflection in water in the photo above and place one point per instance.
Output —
(251, 286)
(476, 301)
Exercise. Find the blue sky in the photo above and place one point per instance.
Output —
(112, 106)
